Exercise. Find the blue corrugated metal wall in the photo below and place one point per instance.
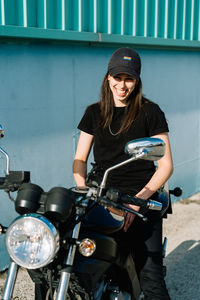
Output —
(45, 89)
(160, 22)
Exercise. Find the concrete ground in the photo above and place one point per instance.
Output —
(182, 229)
(183, 253)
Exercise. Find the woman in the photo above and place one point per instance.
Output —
(121, 115)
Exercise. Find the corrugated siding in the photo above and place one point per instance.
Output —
(157, 19)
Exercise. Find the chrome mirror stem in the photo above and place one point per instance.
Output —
(7, 160)
(135, 157)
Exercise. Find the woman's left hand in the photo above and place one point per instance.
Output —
(129, 217)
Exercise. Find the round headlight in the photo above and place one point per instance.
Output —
(32, 241)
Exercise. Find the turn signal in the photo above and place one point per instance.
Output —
(87, 247)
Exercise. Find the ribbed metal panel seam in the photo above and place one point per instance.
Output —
(90, 37)
(149, 41)
(48, 34)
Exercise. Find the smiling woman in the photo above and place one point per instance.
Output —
(121, 115)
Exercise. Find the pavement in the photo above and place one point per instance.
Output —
(182, 229)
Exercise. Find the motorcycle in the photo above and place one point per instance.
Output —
(65, 237)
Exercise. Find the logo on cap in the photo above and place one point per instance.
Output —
(127, 58)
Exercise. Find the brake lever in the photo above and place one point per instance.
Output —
(105, 202)
(133, 211)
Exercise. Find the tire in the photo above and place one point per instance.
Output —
(40, 291)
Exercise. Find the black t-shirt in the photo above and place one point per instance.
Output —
(108, 149)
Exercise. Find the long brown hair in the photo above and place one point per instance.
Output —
(134, 104)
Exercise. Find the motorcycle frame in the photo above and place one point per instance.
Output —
(65, 275)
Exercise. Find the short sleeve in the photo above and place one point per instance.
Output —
(156, 120)
(86, 123)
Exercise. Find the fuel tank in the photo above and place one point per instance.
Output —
(102, 220)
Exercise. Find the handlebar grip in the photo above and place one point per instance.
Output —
(2, 182)
(2, 229)
(12, 181)
(117, 197)
(127, 199)
(150, 204)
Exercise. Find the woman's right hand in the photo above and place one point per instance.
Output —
(129, 217)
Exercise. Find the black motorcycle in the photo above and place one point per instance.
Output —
(65, 238)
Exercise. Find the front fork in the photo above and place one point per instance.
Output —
(10, 281)
(65, 275)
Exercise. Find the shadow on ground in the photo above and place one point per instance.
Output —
(183, 275)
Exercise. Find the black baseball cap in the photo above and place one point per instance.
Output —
(125, 60)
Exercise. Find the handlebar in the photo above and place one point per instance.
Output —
(117, 200)
(106, 202)
(2, 229)
(116, 196)
(150, 204)
(12, 181)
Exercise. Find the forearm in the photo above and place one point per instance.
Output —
(158, 179)
(79, 172)
(161, 175)
(81, 157)
(163, 172)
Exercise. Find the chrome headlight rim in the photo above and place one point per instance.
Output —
(51, 230)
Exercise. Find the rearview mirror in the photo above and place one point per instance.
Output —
(145, 148)
(153, 148)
